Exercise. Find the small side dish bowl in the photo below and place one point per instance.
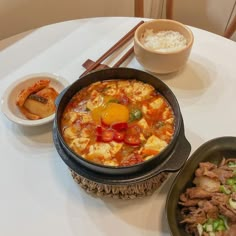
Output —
(212, 151)
(8, 100)
(163, 46)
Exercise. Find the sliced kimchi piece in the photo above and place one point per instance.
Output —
(24, 94)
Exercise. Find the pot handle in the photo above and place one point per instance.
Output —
(179, 155)
(60, 95)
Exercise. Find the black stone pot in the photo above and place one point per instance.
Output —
(171, 159)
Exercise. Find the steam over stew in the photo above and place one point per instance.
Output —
(118, 122)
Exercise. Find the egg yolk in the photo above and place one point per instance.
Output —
(96, 114)
(115, 113)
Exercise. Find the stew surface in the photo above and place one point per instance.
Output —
(118, 122)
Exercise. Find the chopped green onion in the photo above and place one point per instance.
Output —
(232, 164)
(233, 188)
(135, 114)
(215, 225)
(225, 221)
(221, 228)
(225, 190)
(230, 181)
(218, 224)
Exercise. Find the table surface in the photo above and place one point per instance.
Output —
(38, 195)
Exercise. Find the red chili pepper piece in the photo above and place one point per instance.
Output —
(99, 130)
(107, 135)
(99, 138)
(120, 126)
(118, 136)
(132, 140)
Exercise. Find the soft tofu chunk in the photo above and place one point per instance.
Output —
(142, 138)
(93, 85)
(156, 104)
(111, 89)
(85, 133)
(127, 88)
(71, 117)
(85, 118)
(143, 123)
(141, 91)
(96, 100)
(167, 113)
(79, 144)
(154, 143)
(71, 132)
(124, 85)
(100, 150)
(144, 109)
(170, 121)
(115, 147)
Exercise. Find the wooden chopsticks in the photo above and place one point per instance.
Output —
(116, 46)
(123, 58)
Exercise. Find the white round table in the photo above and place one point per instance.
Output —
(38, 195)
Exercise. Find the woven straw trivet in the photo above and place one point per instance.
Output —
(130, 191)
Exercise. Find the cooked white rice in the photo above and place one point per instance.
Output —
(163, 41)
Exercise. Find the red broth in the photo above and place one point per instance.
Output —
(118, 122)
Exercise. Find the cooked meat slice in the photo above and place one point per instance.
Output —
(203, 166)
(231, 231)
(223, 174)
(206, 183)
(195, 217)
(197, 192)
(210, 210)
(219, 199)
(183, 197)
(190, 202)
(224, 210)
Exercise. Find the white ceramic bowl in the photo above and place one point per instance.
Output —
(8, 101)
(162, 62)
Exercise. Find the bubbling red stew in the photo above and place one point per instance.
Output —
(118, 122)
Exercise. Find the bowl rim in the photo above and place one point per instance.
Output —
(7, 111)
(145, 24)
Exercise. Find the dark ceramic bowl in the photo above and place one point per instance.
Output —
(212, 151)
(171, 158)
